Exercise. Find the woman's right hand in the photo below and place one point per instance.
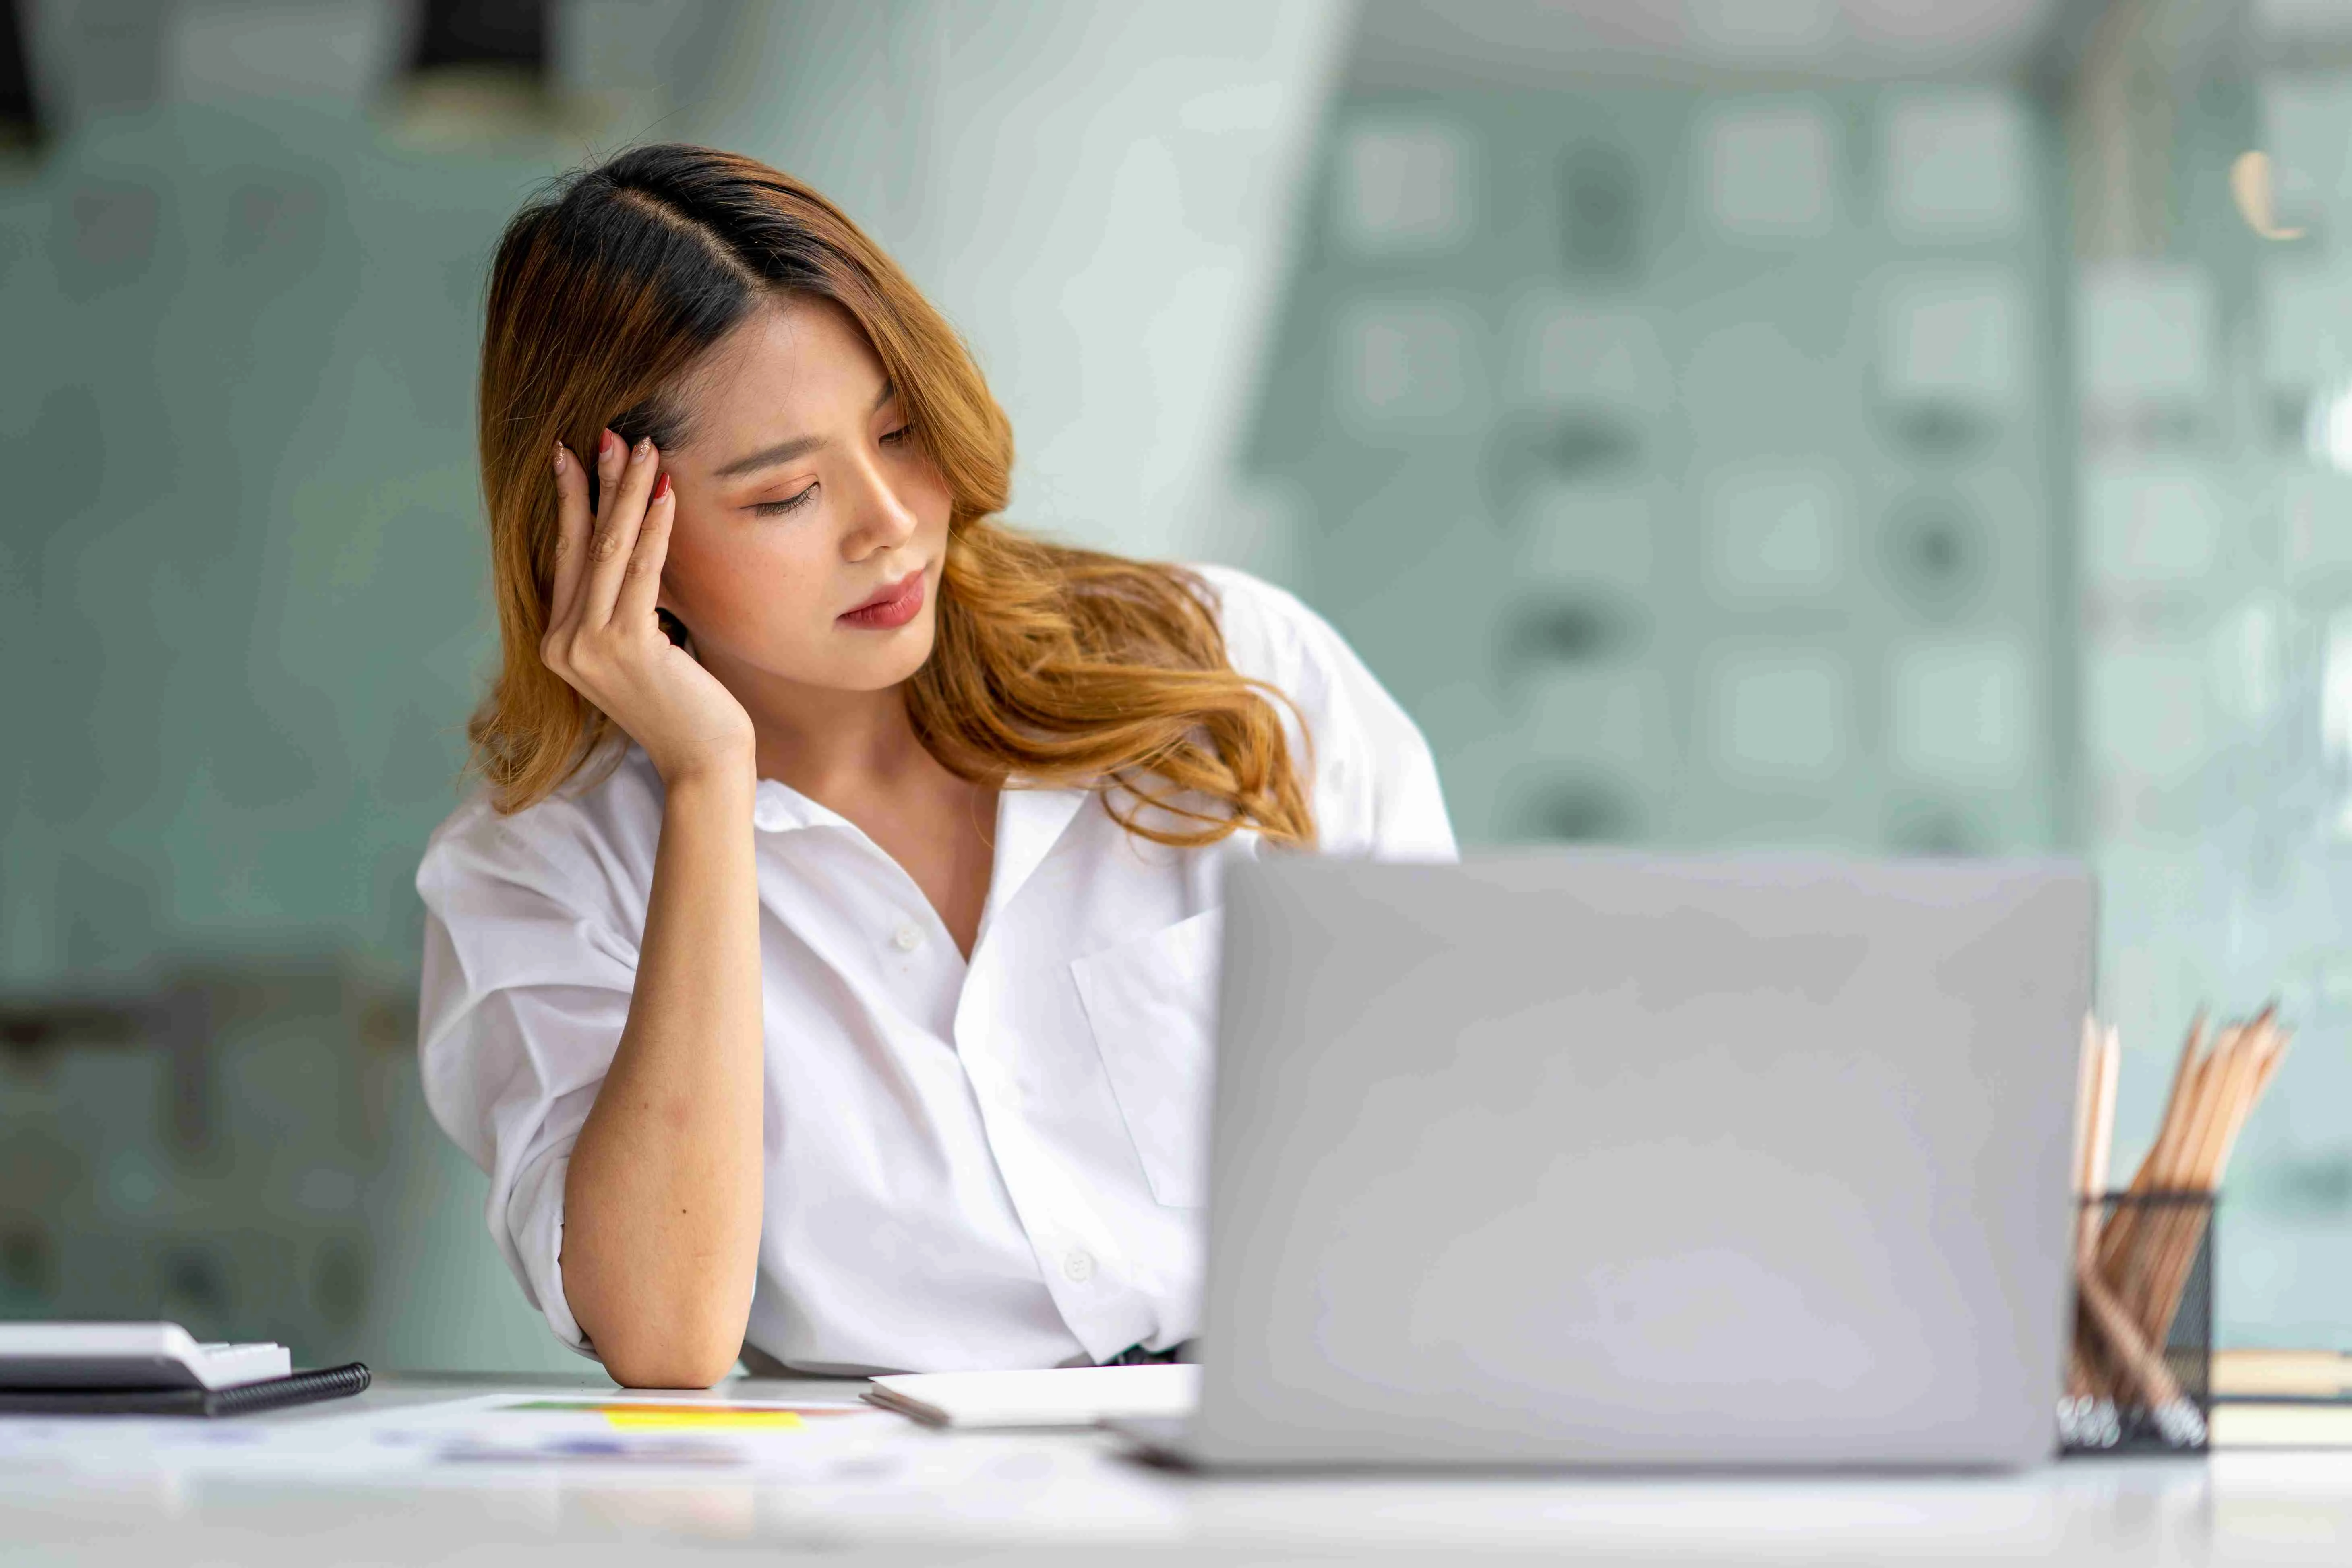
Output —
(603, 637)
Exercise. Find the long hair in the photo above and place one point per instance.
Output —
(1052, 665)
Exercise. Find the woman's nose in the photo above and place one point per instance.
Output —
(880, 520)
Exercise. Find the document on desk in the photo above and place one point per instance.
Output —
(1061, 1397)
(460, 1440)
(2281, 1424)
(2281, 1399)
(2282, 1375)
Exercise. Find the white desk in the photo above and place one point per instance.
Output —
(301, 1487)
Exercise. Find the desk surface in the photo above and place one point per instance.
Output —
(443, 1468)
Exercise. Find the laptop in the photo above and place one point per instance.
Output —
(1606, 1159)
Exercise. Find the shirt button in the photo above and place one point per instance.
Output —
(907, 938)
(1078, 1266)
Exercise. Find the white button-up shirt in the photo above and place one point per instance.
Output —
(992, 1163)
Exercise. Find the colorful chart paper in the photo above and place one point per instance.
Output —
(641, 1415)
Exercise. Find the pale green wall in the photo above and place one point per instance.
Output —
(240, 608)
(241, 618)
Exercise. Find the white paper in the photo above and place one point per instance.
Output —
(1063, 1396)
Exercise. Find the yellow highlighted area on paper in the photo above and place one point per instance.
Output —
(697, 1417)
(645, 1415)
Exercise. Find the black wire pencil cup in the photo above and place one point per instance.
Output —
(2139, 1372)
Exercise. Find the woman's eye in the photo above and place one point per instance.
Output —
(777, 508)
(901, 436)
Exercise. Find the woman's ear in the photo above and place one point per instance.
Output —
(666, 616)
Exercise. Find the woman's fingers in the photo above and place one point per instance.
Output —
(641, 584)
(612, 454)
(606, 643)
(625, 481)
(572, 523)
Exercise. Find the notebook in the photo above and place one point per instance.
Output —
(2281, 1423)
(2281, 1399)
(1061, 1397)
(2282, 1375)
(152, 1369)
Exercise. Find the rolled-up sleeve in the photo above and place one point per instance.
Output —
(523, 993)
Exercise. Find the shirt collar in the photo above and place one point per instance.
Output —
(1028, 822)
(778, 807)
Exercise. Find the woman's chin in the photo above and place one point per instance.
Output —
(881, 660)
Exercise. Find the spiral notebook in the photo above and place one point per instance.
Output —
(152, 1369)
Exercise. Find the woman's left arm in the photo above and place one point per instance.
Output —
(1376, 788)
(1407, 804)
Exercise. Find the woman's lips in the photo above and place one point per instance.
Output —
(893, 607)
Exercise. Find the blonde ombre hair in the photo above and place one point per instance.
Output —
(1052, 665)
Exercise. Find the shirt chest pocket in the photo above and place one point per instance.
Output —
(1152, 1006)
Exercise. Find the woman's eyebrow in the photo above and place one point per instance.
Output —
(798, 447)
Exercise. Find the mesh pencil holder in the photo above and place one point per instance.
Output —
(2139, 1369)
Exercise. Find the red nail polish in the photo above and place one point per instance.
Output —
(607, 445)
(661, 487)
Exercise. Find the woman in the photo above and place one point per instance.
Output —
(824, 969)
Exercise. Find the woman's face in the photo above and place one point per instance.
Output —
(811, 528)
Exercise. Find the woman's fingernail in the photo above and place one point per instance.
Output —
(559, 457)
(661, 487)
(608, 444)
(642, 451)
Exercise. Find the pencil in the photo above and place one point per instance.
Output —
(2133, 1268)
(2085, 1103)
(2143, 1365)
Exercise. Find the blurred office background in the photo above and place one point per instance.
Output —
(1850, 424)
